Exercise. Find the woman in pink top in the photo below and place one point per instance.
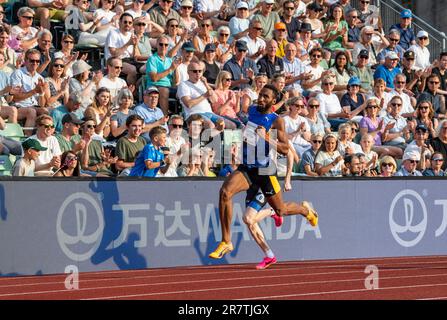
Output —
(227, 102)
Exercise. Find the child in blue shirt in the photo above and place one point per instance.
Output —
(152, 158)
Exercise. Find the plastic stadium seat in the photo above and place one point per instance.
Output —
(5, 166)
(13, 131)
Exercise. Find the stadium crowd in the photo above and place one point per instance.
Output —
(143, 88)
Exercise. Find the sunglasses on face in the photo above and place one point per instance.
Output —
(396, 104)
(196, 71)
(317, 141)
(58, 65)
(72, 158)
(328, 83)
(128, 22)
(47, 126)
(413, 161)
(28, 17)
(259, 29)
(174, 25)
(316, 56)
(227, 79)
(423, 108)
(141, 24)
(68, 41)
(394, 40)
(440, 160)
(91, 126)
(371, 107)
(118, 67)
(423, 38)
(224, 34)
(204, 25)
(33, 61)
(187, 8)
(178, 126)
(289, 8)
(314, 106)
(163, 44)
(433, 82)
(387, 164)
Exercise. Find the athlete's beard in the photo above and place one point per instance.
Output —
(262, 108)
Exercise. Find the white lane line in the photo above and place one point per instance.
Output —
(251, 271)
(346, 291)
(260, 286)
(126, 277)
(435, 298)
(333, 263)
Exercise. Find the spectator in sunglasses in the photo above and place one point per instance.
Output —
(410, 161)
(387, 166)
(421, 52)
(48, 159)
(435, 169)
(70, 165)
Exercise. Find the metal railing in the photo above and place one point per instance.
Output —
(390, 14)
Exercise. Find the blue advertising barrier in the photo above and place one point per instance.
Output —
(47, 225)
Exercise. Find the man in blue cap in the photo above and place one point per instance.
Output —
(407, 35)
(242, 69)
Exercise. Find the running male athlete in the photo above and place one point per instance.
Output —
(258, 171)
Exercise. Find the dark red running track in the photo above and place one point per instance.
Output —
(399, 278)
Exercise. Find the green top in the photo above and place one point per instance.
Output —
(66, 145)
(126, 150)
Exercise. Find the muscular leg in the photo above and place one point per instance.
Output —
(285, 208)
(234, 184)
(251, 219)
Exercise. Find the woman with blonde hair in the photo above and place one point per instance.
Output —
(101, 111)
(227, 102)
(328, 161)
(387, 166)
(367, 42)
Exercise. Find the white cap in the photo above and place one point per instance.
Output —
(391, 55)
(411, 155)
(242, 4)
(269, 1)
(422, 33)
(186, 3)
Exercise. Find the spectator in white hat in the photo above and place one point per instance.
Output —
(239, 23)
(410, 161)
(81, 83)
(421, 53)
